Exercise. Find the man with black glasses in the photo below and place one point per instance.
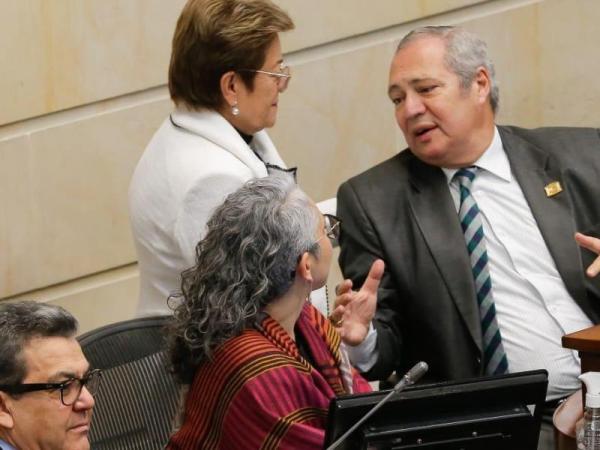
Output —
(46, 385)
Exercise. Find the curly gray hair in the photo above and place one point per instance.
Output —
(465, 53)
(246, 260)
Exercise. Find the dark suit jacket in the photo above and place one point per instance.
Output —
(401, 211)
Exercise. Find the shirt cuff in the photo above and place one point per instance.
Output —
(364, 355)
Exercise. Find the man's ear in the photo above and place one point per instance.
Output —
(303, 268)
(6, 417)
(483, 84)
(229, 87)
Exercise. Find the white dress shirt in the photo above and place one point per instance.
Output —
(534, 309)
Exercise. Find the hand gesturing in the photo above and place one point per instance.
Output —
(354, 310)
(592, 244)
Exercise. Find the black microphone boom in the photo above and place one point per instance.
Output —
(409, 378)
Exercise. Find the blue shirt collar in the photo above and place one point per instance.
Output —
(6, 446)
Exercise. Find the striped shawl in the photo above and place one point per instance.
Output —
(258, 392)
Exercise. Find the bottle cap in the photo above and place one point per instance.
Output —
(592, 385)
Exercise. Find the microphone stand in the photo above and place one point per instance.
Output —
(409, 378)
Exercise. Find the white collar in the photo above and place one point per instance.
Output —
(493, 160)
(213, 127)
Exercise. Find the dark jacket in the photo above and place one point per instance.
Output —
(401, 211)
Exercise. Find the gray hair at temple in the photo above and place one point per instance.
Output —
(247, 259)
(19, 323)
(465, 53)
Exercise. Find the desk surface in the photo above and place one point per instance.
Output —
(587, 340)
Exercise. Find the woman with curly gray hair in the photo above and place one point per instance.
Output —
(261, 361)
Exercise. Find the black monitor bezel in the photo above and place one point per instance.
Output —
(523, 388)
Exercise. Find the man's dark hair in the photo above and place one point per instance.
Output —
(22, 321)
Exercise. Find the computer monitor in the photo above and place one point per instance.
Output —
(490, 413)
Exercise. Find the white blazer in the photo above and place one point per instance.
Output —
(192, 163)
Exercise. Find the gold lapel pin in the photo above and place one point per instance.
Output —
(553, 188)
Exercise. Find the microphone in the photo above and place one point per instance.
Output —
(413, 375)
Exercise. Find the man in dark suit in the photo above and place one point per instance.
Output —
(46, 384)
(532, 190)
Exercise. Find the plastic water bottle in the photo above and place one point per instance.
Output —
(588, 435)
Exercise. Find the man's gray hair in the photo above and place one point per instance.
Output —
(465, 53)
(247, 260)
(22, 321)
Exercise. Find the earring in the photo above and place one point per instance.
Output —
(308, 299)
(235, 110)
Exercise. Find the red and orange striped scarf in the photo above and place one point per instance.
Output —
(258, 392)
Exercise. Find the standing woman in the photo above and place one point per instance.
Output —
(225, 77)
(262, 363)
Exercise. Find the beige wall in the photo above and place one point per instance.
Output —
(83, 88)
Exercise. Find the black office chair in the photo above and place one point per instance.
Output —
(139, 397)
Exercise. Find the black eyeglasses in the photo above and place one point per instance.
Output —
(70, 390)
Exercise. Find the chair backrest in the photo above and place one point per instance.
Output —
(138, 397)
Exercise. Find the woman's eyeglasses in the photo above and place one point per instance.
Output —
(332, 226)
(70, 390)
(283, 76)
